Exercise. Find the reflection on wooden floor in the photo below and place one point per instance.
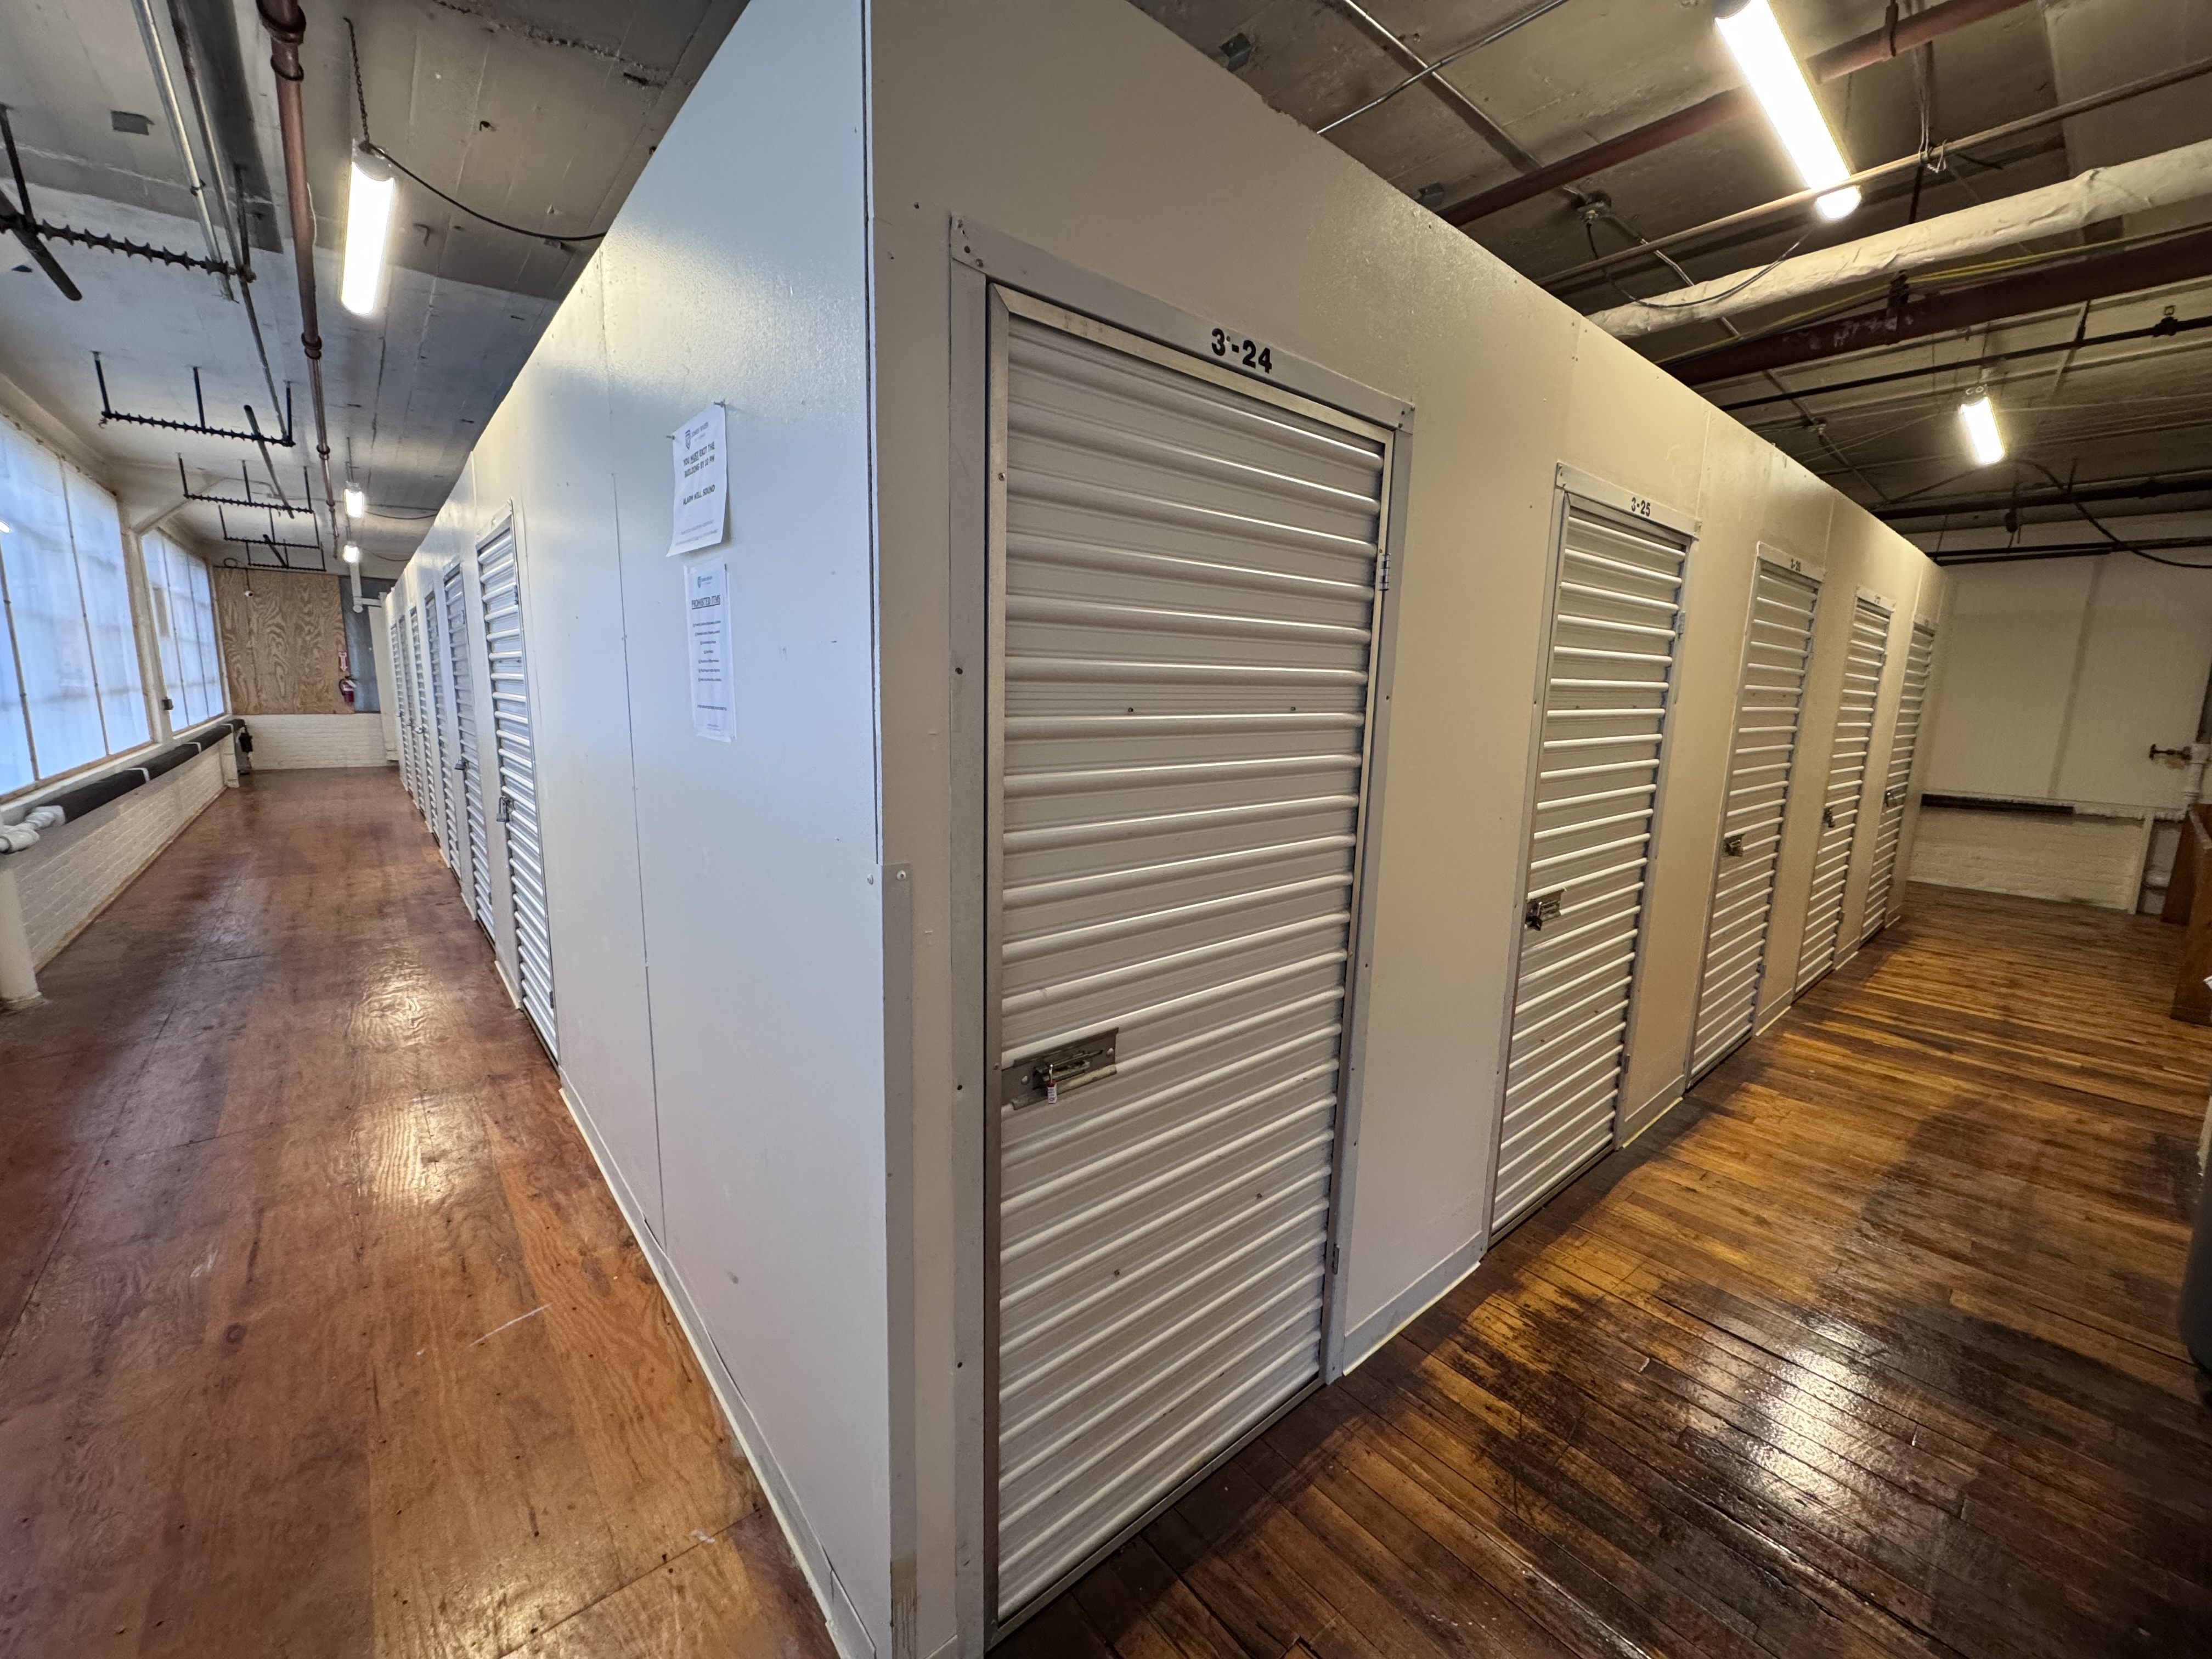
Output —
(1868, 1350)
(319, 1334)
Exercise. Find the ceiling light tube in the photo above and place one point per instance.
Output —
(356, 501)
(352, 553)
(1777, 81)
(1980, 420)
(369, 229)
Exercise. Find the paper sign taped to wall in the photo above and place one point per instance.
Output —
(703, 480)
(707, 614)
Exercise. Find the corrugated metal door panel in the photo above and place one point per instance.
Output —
(403, 701)
(499, 579)
(1188, 605)
(1911, 700)
(1608, 677)
(426, 798)
(441, 709)
(1839, 807)
(469, 776)
(1769, 710)
(403, 657)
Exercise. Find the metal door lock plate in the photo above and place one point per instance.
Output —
(1050, 1073)
(1733, 847)
(1543, 908)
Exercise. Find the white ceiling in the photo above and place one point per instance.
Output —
(536, 112)
(540, 113)
(1588, 70)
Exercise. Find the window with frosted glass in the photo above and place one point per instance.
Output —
(183, 626)
(71, 691)
(103, 585)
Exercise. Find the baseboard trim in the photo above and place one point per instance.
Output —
(1634, 1123)
(847, 1629)
(1367, 1338)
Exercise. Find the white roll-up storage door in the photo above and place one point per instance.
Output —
(403, 701)
(1904, 743)
(442, 711)
(1604, 693)
(1185, 598)
(499, 580)
(468, 780)
(426, 723)
(1839, 806)
(1768, 708)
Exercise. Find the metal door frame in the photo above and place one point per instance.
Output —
(994, 278)
(1890, 908)
(1570, 486)
(1888, 607)
(1818, 575)
(506, 952)
(464, 866)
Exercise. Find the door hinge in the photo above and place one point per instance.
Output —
(1332, 1258)
(1382, 572)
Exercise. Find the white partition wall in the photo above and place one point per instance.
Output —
(1135, 596)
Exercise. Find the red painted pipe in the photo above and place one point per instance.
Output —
(287, 26)
(1901, 35)
(2185, 259)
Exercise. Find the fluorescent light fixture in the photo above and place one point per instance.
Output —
(1981, 424)
(368, 228)
(356, 502)
(353, 552)
(1778, 82)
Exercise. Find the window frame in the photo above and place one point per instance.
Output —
(144, 658)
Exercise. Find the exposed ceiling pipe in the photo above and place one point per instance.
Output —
(1898, 36)
(2023, 552)
(164, 87)
(2057, 113)
(1470, 111)
(2100, 193)
(2102, 489)
(2183, 260)
(287, 26)
(2165, 328)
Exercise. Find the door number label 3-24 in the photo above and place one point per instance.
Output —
(1246, 354)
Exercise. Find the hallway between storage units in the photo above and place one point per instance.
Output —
(324, 1337)
(1869, 1349)
(319, 1334)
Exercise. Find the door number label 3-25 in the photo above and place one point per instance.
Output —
(1246, 354)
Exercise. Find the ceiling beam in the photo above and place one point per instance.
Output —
(2103, 490)
(1764, 211)
(2185, 259)
(1468, 110)
(1898, 36)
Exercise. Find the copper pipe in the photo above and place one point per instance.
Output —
(288, 26)
(1898, 36)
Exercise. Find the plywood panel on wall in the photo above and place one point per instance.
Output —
(282, 638)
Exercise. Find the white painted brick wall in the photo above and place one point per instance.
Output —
(2083, 860)
(283, 742)
(69, 877)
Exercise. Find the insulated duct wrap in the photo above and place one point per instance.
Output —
(2101, 193)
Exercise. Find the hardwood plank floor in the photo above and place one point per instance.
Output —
(319, 1334)
(1869, 1349)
